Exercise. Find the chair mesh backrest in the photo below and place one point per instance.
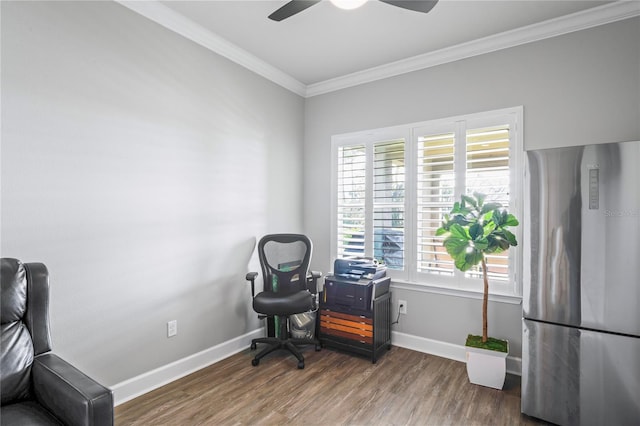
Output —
(285, 262)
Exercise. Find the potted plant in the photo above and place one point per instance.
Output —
(472, 230)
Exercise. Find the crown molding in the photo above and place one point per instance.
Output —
(596, 16)
(589, 18)
(176, 22)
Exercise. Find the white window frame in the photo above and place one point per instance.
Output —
(509, 291)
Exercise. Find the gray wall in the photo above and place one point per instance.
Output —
(579, 88)
(140, 168)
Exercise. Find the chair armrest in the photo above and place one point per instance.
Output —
(69, 394)
(251, 276)
(312, 281)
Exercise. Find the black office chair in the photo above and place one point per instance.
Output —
(289, 293)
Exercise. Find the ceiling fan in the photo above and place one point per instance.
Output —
(297, 6)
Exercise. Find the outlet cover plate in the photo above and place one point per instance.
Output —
(172, 328)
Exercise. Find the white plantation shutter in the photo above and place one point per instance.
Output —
(388, 203)
(435, 196)
(488, 172)
(351, 200)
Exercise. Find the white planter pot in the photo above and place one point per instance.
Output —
(486, 368)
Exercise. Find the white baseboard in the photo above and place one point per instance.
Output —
(146, 382)
(444, 350)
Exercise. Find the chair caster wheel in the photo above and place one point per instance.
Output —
(300, 365)
(253, 346)
(255, 362)
(318, 347)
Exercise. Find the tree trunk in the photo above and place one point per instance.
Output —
(485, 300)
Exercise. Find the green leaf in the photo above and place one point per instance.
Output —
(470, 200)
(481, 244)
(493, 250)
(496, 243)
(460, 220)
(511, 220)
(489, 227)
(458, 231)
(468, 258)
(455, 208)
(480, 197)
(441, 231)
(497, 218)
(455, 246)
(490, 207)
(504, 215)
(473, 257)
(461, 262)
(502, 242)
(510, 238)
(476, 230)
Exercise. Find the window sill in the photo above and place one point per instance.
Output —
(512, 299)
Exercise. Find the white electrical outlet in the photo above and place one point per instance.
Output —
(402, 306)
(172, 328)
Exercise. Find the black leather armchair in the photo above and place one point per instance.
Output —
(36, 386)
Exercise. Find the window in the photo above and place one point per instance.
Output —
(392, 187)
(381, 233)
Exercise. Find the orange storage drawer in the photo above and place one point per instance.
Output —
(347, 326)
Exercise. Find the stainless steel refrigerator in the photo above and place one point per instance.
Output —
(581, 289)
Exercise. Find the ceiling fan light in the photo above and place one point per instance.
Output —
(348, 4)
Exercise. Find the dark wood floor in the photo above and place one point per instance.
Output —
(335, 388)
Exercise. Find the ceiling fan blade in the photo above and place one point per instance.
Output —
(291, 8)
(423, 6)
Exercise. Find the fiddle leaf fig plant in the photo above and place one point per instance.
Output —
(472, 230)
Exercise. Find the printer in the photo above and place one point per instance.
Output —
(358, 268)
(354, 284)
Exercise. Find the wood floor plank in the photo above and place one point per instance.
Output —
(335, 388)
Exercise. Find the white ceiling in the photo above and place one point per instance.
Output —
(324, 44)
